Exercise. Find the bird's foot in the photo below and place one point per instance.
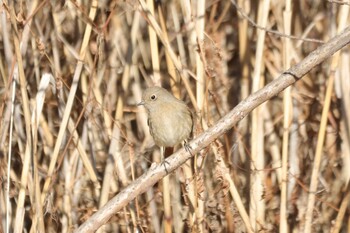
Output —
(164, 163)
(188, 148)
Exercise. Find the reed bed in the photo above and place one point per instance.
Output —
(76, 154)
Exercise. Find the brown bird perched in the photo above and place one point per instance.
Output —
(169, 119)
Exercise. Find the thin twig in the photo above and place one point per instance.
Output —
(277, 33)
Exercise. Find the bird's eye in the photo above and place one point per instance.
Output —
(153, 97)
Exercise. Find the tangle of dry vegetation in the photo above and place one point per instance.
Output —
(76, 153)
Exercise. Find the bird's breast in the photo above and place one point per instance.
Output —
(170, 127)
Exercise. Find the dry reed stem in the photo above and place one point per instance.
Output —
(287, 106)
(174, 79)
(257, 205)
(344, 84)
(340, 217)
(26, 111)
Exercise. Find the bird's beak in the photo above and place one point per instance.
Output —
(141, 103)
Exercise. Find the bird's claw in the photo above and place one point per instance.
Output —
(164, 162)
(188, 148)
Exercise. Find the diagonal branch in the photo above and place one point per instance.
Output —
(157, 172)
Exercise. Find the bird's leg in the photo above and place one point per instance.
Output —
(166, 195)
(164, 162)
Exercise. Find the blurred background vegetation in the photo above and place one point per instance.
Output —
(71, 136)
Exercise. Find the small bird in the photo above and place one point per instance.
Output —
(169, 119)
